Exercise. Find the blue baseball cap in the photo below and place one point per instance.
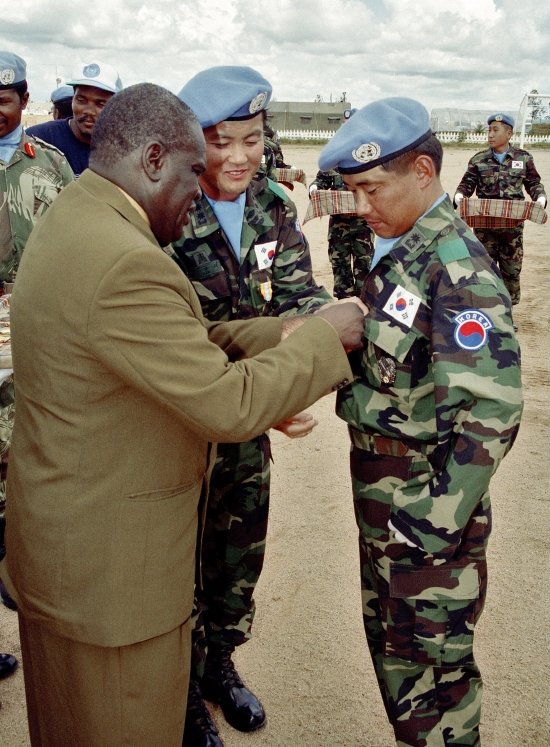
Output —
(504, 118)
(63, 92)
(226, 92)
(377, 133)
(13, 69)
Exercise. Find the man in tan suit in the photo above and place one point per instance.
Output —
(121, 385)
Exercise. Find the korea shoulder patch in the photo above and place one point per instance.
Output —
(402, 305)
(472, 327)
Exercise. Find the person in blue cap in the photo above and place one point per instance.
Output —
(246, 257)
(434, 406)
(32, 173)
(62, 100)
(93, 83)
(501, 172)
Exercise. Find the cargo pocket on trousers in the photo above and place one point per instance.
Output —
(430, 614)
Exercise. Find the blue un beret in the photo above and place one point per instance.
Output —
(377, 133)
(504, 118)
(13, 69)
(226, 92)
(63, 92)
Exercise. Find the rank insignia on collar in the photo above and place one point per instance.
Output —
(415, 239)
(402, 305)
(200, 215)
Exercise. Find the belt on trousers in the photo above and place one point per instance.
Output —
(388, 446)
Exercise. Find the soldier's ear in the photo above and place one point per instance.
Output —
(24, 100)
(424, 168)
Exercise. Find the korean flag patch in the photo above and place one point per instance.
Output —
(517, 164)
(471, 329)
(265, 254)
(402, 305)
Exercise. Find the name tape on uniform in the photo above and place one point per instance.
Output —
(265, 254)
(402, 305)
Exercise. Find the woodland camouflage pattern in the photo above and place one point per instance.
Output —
(236, 522)
(28, 186)
(430, 422)
(350, 243)
(490, 179)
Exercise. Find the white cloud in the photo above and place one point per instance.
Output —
(466, 53)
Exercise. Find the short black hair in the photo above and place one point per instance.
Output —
(20, 88)
(64, 107)
(430, 147)
(137, 115)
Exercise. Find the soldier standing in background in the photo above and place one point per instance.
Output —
(94, 83)
(62, 100)
(273, 158)
(350, 242)
(434, 407)
(32, 173)
(500, 173)
(246, 257)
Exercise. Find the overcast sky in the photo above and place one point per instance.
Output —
(482, 54)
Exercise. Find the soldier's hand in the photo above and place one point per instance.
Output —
(299, 426)
(542, 200)
(313, 188)
(347, 316)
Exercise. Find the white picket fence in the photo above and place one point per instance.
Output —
(445, 137)
(481, 138)
(305, 134)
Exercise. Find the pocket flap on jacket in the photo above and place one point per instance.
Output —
(434, 583)
(388, 335)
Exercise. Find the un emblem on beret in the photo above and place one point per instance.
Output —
(7, 76)
(257, 103)
(367, 152)
(498, 118)
(91, 71)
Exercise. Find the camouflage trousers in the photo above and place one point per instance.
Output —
(350, 250)
(7, 414)
(419, 614)
(233, 548)
(505, 247)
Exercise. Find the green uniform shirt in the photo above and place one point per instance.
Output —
(440, 370)
(35, 175)
(274, 276)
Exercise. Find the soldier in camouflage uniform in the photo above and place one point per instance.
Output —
(350, 242)
(272, 158)
(500, 173)
(255, 262)
(434, 407)
(32, 173)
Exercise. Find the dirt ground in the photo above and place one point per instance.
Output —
(308, 659)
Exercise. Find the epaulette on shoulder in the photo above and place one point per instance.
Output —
(45, 145)
(452, 250)
(277, 189)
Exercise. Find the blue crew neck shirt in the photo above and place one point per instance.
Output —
(383, 247)
(230, 217)
(10, 143)
(58, 132)
(501, 156)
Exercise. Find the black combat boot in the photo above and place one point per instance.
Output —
(199, 727)
(221, 684)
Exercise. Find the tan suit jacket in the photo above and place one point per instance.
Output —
(120, 386)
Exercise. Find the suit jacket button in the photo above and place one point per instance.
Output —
(340, 385)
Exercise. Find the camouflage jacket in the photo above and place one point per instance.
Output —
(274, 277)
(35, 175)
(272, 158)
(440, 372)
(501, 181)
(354, 224)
